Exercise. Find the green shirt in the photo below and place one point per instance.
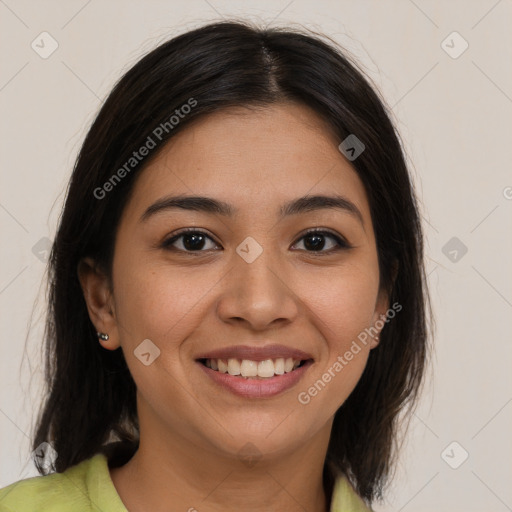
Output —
(87, 487)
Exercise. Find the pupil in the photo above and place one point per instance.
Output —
(194, 241)
(318, 242)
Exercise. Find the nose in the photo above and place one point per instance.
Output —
(258, 294)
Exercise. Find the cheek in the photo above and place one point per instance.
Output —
(165, 305)
(342, 308)
(343, 302)
(159, 302)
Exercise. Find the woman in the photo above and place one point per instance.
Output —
(237, 308)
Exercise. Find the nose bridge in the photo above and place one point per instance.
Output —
(256, 289)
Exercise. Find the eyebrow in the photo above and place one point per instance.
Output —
(209, 205)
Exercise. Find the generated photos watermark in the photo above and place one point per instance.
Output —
(304, 397)
(149, 144)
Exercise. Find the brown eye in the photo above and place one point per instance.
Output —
(193, 240)
(315, 241)
(189, 241)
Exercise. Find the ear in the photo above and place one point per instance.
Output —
(379, 317)
(382, 306)
(97, 291)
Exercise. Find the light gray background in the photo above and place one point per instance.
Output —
(454, 115)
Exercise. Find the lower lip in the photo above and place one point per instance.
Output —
(257, 388)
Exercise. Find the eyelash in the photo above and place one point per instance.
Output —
(341, 243)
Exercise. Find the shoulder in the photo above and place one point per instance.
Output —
(75, 489)
(345, 498)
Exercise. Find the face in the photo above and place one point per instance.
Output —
(306, 279)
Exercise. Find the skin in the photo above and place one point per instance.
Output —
(191, 432)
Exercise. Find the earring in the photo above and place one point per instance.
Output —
(102, 336)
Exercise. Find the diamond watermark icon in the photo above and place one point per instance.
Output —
(454, 455)
(146, 352)
(45, 456)
(454, 45)
(351, 147)
(249, 249)
(454, 249)
(41, 249)
(249, 454)
(44, 45)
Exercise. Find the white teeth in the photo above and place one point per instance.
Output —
(288, 365)
(247, 368)
(233, 367)
(279, 366)
(266, 368)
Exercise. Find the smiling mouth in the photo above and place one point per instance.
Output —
(247, 369)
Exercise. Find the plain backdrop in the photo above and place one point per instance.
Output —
(445, 69)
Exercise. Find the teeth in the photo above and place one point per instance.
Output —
(233, 367)
(288, 365)
(247, 368)
(222, 366)
(279, 366)
(266, 368)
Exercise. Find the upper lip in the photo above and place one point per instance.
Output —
(255, 353)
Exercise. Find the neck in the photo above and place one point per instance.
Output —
(196, 479)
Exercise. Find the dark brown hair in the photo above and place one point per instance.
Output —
(90, 401)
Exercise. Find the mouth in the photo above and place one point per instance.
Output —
(257, 370)
(251, 379)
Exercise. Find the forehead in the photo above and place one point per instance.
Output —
(252, 157)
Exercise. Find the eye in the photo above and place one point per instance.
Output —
(314, 241)
(194, 240)
(189, 240)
